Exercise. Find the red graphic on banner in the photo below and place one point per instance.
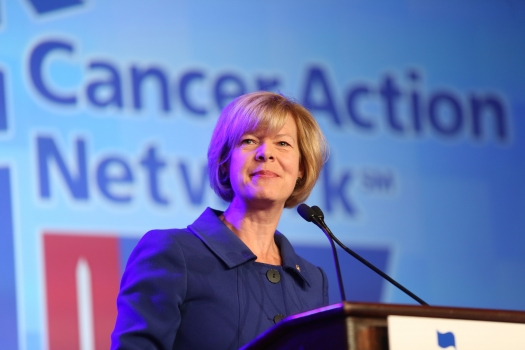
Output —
(82, 281)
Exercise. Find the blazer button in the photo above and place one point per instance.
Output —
(278, 318)
(273, 276)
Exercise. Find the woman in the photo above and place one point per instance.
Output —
(230, 275)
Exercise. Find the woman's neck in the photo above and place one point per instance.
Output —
(255, 227)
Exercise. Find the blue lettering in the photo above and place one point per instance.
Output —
(336, 189)
(441, 112)
(48, 151)
(44, 6)
(183, 91)
(478, 106)
(114, 170)
(3, 107)
(195, 191)
(153, 165)
(102, 93)
(228, 87)
(316, 83)
(355, 92)
(138, 76)
(390, 93)
(455, 122)
(378, 180)
(415, 103)
(36, 61)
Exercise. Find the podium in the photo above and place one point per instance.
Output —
(360, 326)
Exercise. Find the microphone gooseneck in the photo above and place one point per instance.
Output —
(315, 215)
(311, 215)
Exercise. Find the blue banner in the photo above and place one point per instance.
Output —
(107, 108)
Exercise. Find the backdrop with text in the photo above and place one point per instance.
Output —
(107, 108)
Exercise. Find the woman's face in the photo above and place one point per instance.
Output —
(264, 167)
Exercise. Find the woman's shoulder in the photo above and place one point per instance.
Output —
(167, 235)
(167, 239)
(188, 241)
(164, 249)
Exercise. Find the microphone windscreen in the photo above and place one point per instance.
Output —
(306, 212)
(318, 212)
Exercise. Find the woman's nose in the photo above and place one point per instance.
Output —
(264, 152)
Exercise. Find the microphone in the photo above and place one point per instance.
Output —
(315, 215)
(318, 212)
(311, 215)
(306, 212)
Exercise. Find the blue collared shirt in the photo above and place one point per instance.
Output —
(200, 288)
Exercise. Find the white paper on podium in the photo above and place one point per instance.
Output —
(421, 333)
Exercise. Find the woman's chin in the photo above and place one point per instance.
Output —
(265, 198)
(263, 195)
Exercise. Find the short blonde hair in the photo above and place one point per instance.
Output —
(265, 110)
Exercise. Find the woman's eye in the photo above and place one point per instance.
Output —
(283, 143)
(247, 142)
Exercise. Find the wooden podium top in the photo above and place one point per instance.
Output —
(361, 325)
(383, 310)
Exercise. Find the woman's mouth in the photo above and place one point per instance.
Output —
(264, 174)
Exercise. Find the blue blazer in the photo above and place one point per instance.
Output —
(200, 288)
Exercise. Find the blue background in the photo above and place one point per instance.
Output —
(441, 210)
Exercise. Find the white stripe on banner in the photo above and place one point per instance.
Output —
(85, 306)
